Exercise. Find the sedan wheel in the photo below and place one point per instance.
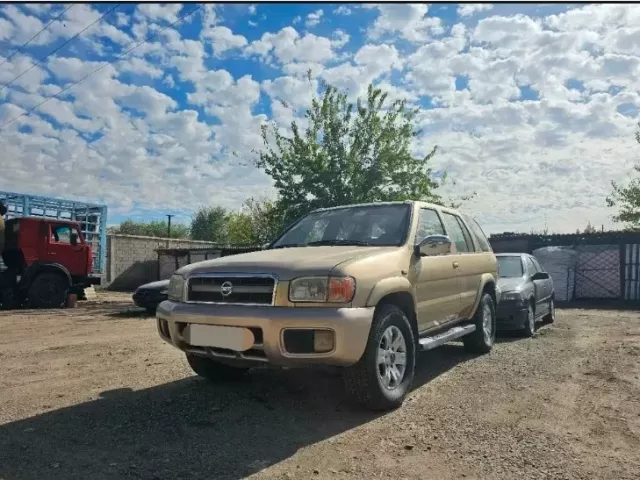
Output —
(529, 329)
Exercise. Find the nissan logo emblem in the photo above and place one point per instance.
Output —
(226, 289)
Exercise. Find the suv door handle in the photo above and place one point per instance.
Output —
(455, 265)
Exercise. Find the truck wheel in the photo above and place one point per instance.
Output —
(10, 297)
(482, 339)
(213, 371)
(48, 290)
(529, 329)
(382, 377)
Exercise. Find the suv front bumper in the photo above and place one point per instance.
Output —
(350, 327)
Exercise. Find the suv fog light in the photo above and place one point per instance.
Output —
(323, 341)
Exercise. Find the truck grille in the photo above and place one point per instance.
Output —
(231, 289)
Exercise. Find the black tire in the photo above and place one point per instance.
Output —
(48, 290)
(363, 381)
(478, 342)
(213, 371)
(529, 329)
(10, 297)
(551, 316)
(152, 311)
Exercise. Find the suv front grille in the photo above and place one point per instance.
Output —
(231, 289)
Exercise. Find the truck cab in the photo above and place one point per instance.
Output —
(45, 260)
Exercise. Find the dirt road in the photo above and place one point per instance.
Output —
(93, 393)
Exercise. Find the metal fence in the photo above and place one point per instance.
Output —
(171, 259)
(597, 267)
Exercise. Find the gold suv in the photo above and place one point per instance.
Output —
(363, 287)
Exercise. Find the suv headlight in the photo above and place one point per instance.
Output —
(176, 288)
(322, 289)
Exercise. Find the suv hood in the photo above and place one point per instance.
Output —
(285, 263)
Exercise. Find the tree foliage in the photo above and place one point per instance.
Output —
(154, 228)
(347, 154)
(210, 224)
(627, 199)
(258, 222)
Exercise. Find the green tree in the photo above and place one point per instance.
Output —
(347, 154)
(589, 228)
(256, 223)
(267, 219)
(210, 224)
(240, 229)
(627, 199)
(154, 228)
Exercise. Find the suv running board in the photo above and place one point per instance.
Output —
(427, 343)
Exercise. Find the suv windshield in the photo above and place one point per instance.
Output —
(510, 267)
(380, 225)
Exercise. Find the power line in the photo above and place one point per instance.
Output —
(27, 112)
(65, 43)
(32, 38)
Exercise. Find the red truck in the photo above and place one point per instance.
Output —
(45, 260)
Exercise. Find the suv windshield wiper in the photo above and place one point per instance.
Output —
(338, 242)
(286, 245)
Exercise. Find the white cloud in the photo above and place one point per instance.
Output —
(252, 9)
(370, 62)
(409, 20)
(534, 113)
(288, 46)
(313, 18)
(342, 10)
(470, 9)
(223, 39)
(158, 12)
(340, 38)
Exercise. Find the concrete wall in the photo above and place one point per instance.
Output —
(132, 260)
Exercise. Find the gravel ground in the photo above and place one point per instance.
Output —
(94, 393)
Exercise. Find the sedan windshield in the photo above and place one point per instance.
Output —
(510, 267)
(380, 225)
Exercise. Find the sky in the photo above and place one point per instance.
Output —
(533, 107)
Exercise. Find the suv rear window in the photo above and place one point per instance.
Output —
(480, 237)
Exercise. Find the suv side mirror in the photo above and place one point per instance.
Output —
(540, 276)
(433, 245)
(73, 239)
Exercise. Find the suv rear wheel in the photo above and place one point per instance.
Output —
(213, 371)
(484, 336)
(382, 377)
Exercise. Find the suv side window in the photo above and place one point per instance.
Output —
(480, 237)
(457, 234)
(467, 235)
(429, 223)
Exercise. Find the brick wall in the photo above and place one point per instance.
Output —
(132, 260)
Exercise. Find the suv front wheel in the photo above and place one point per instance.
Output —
(382, 377)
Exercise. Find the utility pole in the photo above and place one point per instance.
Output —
(168, 228)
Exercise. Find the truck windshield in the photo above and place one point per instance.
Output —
(510, 267)
(380, 225)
